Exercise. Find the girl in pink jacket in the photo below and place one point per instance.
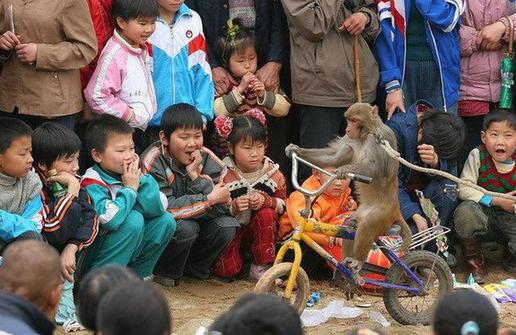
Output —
(122, 84)
(483, 40)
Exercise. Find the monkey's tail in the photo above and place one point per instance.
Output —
(406, 235)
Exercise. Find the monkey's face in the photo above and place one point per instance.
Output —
(353, 128)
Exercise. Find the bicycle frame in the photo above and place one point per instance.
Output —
(312, 225)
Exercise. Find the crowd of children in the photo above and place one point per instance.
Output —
(179, 181)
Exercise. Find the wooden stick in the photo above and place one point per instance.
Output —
(357, 68)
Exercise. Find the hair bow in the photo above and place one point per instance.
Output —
(224, 124)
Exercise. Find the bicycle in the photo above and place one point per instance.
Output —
(419, 274)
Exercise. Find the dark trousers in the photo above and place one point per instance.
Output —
(35, 121)
(195, 246)
(473, 219)
(318, 127)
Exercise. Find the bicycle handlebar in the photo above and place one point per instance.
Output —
(295, 158)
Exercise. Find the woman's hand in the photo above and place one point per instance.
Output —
(9, 40)
(490, 37)
(27, 52)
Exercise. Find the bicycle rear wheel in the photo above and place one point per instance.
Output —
(410, 309)
(275, 279)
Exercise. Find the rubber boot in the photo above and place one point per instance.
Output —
(472, 250)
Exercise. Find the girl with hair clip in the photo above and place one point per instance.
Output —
(258, 192)
(236, 50)
(465, 312)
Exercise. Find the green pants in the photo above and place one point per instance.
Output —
(138, 243)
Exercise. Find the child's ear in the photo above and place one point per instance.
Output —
(230, 148)
(121, 23)
(163, 138)
(96, 156)
(483, 136)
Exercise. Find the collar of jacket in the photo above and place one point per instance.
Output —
(172, 162)
(21, 309)
(107, 177)
(183, 10)
(125, 44)
(6, 180)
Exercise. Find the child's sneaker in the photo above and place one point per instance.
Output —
(257, 271)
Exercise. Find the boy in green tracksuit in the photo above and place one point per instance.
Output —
(129, 205)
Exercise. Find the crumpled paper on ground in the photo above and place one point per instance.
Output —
(335, 309)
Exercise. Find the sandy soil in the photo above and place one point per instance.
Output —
(196, 303)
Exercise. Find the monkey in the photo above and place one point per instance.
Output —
(358, 152)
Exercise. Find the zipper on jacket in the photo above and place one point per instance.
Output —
(445, 107)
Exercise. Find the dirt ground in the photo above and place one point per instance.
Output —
(196, 303)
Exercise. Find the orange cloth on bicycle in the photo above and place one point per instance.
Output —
(325, 208)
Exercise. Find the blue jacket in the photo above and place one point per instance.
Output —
(442, 18)
(405, 127)
(20, 316)
(113, 201)
(181, 69)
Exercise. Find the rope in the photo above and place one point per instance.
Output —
(396, 155)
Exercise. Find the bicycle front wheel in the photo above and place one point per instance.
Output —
(410, 309)
(274, 282)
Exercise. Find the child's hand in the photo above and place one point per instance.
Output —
(67, 180)
(420, 222)
(219, 194)
(256, 201)
(506, 204)
(241, 203)
(131, 175)
(193, 168)
(245, 82)
(68, 261)
(258, 88)
(428, 155)
(9, 40)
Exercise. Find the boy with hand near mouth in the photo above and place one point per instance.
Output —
(129, 205)
(69, 221)
(20, 202)
(191, 178)
(492, 166)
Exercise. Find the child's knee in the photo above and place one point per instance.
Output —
(267, 214)
(187, 230)
(468, 218)
(134, 224)
(168, 223)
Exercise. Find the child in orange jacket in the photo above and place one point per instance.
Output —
(333, 206)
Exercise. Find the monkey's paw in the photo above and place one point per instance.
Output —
(290, 149)
(342, 172)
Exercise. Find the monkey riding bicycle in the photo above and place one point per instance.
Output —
(410, 288)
